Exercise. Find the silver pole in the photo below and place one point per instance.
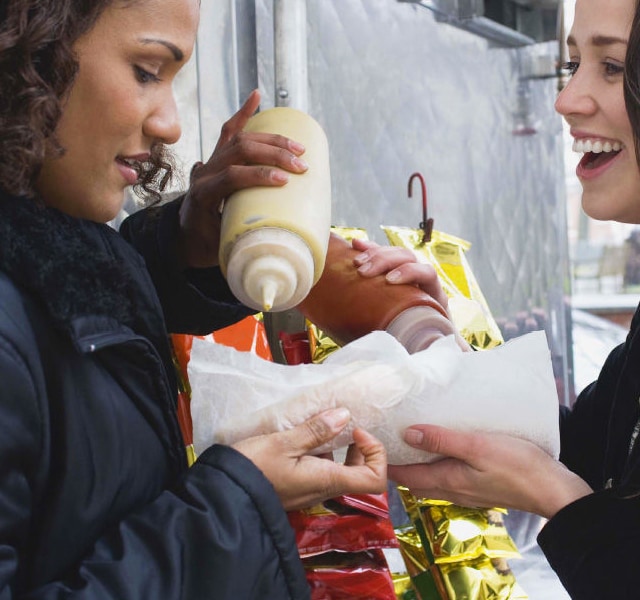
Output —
(290, 53)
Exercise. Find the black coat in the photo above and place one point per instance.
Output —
(96, 500)
(594, 543)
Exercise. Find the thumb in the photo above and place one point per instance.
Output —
(318, 430)
(439, 440)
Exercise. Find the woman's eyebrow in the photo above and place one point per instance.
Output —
(178, 55)
(600, 40)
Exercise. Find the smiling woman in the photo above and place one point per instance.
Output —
(593, 105)
(591, 497)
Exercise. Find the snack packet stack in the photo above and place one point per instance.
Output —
(342, 543)
(456, 553)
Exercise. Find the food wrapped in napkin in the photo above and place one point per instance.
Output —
(508, 389)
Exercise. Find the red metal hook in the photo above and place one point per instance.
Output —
(426, 224)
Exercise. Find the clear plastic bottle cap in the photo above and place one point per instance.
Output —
(270, 269)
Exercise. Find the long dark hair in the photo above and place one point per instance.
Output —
(632, 80)
(37, 70)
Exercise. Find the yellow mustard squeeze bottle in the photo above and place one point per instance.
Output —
(273, 240)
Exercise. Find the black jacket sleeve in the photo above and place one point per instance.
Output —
(196, 301)
(584, 428)
(197, 543)
(592, 544)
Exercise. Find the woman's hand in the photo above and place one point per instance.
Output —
(487, 470)
(302, 480)
(240, 160)
(400, 266)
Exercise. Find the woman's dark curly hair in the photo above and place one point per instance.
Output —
(632, 80)
(37, 70)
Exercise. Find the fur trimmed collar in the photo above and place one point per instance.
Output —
(70, 264)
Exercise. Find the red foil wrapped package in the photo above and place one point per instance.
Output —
(295, 347)
(345, 524)
(350, 576)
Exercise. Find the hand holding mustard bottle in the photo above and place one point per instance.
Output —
(241, 159)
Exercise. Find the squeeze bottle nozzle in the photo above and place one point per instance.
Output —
(270, 267)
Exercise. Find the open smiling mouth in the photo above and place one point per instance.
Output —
(596, 154)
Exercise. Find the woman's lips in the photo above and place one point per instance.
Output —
(129, 173)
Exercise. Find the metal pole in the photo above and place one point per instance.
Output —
(290, 53)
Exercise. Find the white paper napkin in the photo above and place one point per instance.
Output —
(509, 389)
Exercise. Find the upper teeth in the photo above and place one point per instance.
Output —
(596, 146)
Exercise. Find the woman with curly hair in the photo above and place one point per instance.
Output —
(95, 494)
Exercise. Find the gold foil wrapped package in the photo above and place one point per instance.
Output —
(403, 587)
(467, 304)
(475, 579)
(457, 553)
(425, 576)
(459, 533)
(320, 344)
(480, 580)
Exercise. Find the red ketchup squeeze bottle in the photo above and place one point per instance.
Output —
(346, 305)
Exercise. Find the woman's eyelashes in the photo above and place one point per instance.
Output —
(144, 76)
(613, 68)
(610, 68)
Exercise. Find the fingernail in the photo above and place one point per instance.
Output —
(360, 258)
(413, 437)
(365, 267)
(299, 163)
(337, 417)
(297, 147)
(279, 176)
(393, 276)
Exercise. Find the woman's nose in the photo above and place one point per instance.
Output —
(576, 97)
(163, 123)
